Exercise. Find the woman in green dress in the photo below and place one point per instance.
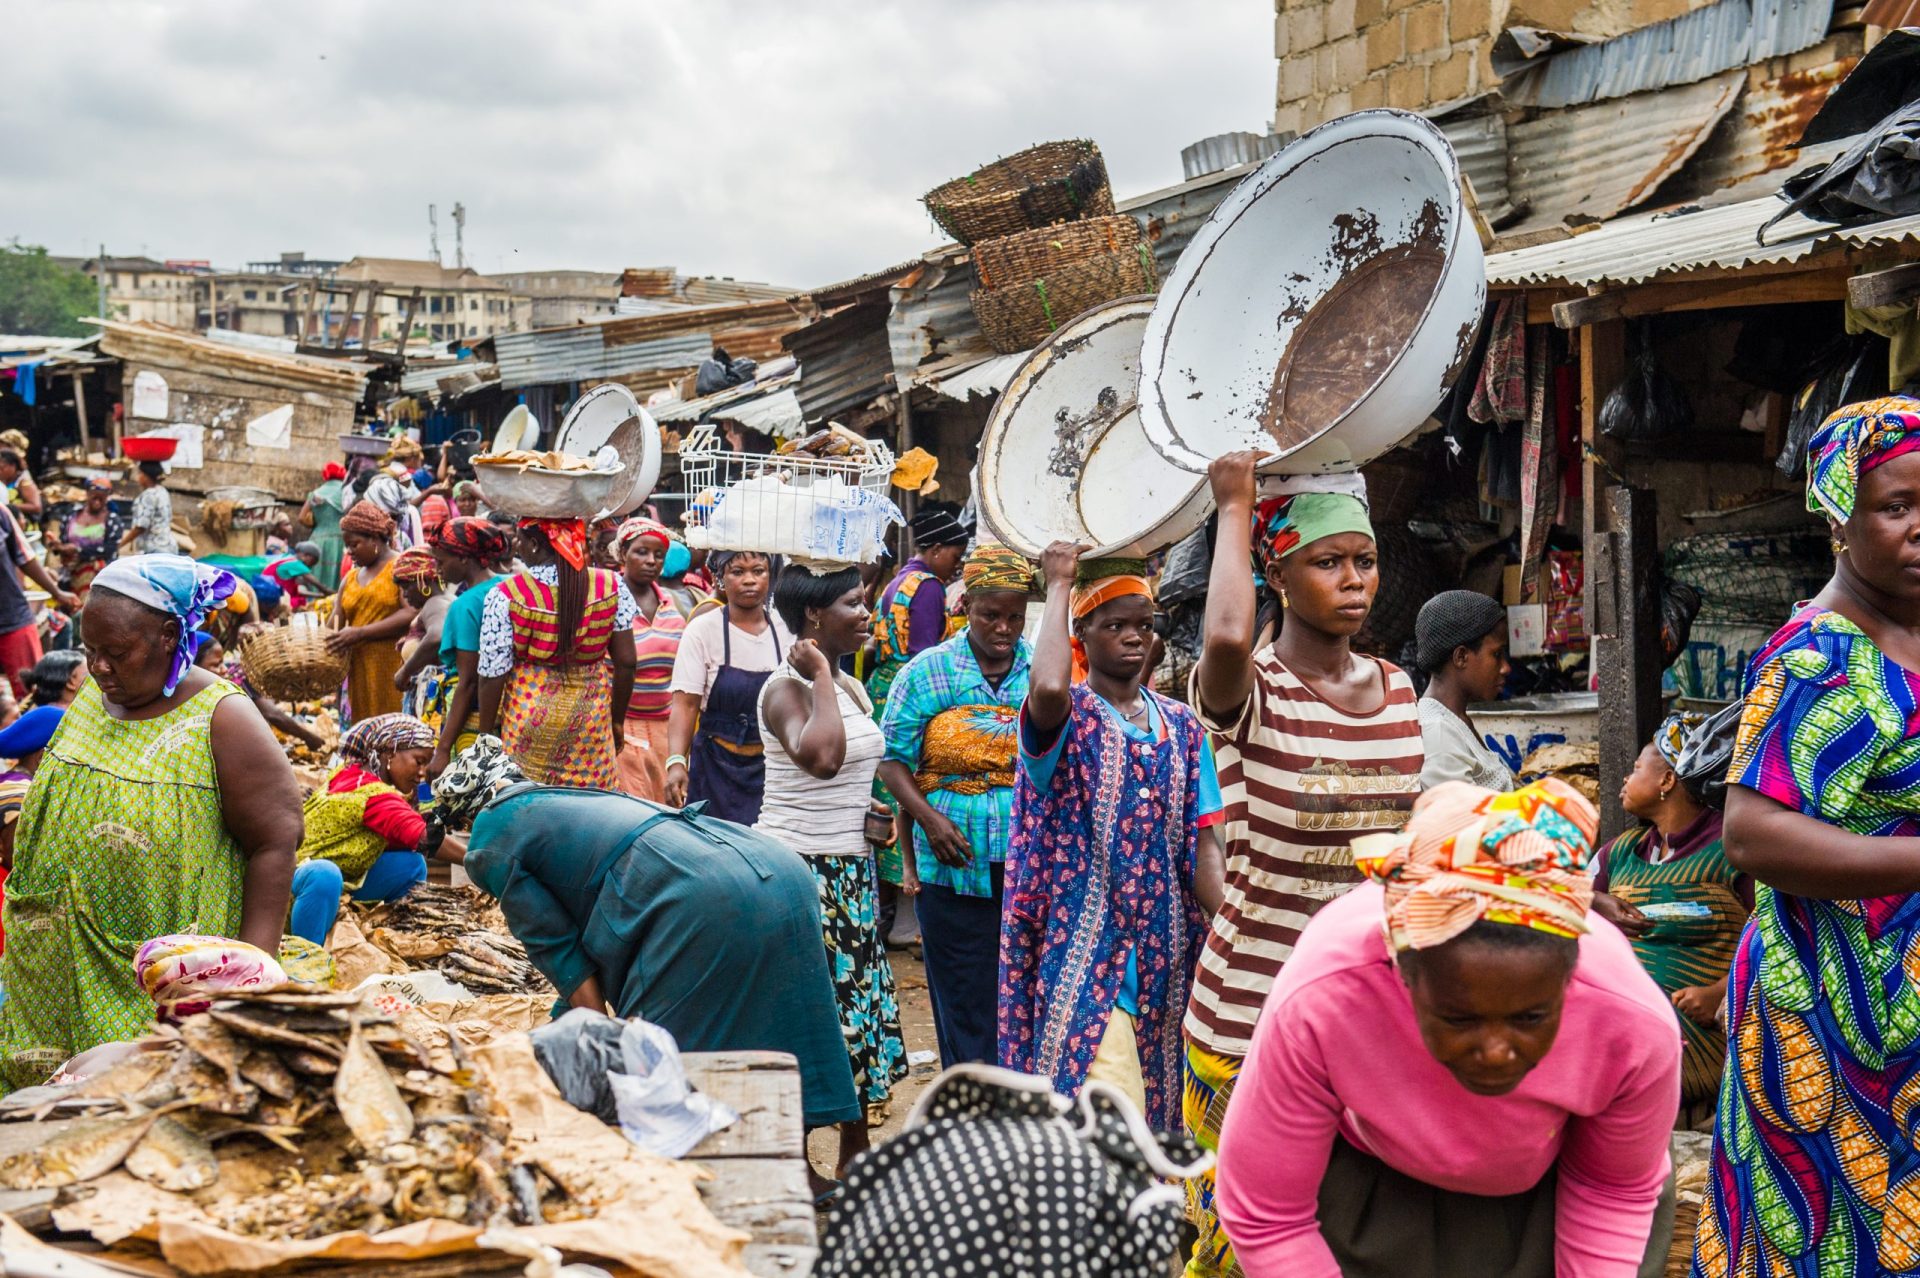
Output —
(163, 805)
(1668, 885)
(322, 514)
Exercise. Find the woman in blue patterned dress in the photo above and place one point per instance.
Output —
(1815, 1170)
(1112, 872)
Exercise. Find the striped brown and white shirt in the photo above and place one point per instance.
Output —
(1301, 779)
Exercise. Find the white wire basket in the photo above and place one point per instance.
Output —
(833, 508)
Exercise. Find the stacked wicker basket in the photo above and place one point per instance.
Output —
(1046, 241)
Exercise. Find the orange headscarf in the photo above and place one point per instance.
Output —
(1469, 854)
(1091, 595)
(568, 537)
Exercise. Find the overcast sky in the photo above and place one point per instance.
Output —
(786, 142)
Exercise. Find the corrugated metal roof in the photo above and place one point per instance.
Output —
(1636, 249)
(844, 359)
(571, 355)
(1733, 33)
(1169, 217)
(982, 378)
(1229, 150)
(1595, 161)
(707, 407)
(932, 315)
(777, 414)
(1480, 142)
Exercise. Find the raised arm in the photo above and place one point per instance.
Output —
(1050, 685)
(1224, 675)
(807, 721)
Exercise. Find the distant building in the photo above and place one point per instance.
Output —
(142, 289)
(264, 303)
(295, 264)
(565, 297)
(457, 303)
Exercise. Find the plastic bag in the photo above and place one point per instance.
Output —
(628, 1073)
(1679, 605)
(1647, 404)
(1853, 371)
(719, 371)
(1707, 754)
(1877, 177)
(579, 1051)
(658, 1109)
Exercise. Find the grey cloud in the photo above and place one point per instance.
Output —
(763, 140)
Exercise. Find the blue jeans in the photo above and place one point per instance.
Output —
(317, 886)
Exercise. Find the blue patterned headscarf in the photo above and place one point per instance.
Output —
(1852, 442)
(177, 586)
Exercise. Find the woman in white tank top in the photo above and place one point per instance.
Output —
(822, 750)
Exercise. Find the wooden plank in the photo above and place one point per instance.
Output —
(779, 1260)
(1694, 295)
(764, 1089)
(1890, 287)
(767, 1197)
(1603, 362)
(1630, 705)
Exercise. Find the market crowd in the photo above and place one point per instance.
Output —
(1428, 1023)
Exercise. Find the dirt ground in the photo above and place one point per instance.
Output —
(916, 1024)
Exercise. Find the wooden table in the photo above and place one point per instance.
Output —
(759, 1164)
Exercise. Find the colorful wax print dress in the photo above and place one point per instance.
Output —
(1815, 1170)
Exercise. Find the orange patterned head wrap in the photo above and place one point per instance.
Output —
(1470, 854)
(568, 537)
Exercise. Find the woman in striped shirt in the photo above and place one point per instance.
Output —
(1315, 745)
(641, 545)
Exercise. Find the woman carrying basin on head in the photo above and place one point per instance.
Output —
(1315, 745)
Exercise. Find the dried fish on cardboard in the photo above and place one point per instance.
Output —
(173, 1156)
(372, 1106)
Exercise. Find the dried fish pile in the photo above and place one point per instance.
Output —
(288, 1114)
(460, 933)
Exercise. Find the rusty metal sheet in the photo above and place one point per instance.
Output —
(1758, 136)
(845, 360)
(1593, 162)
(1682, 50)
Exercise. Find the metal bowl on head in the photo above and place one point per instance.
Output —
(1064, 458)
(1325, 307)
(593, 422)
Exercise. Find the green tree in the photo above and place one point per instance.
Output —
(39, 296)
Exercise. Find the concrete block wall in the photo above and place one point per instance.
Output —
(1337, 56)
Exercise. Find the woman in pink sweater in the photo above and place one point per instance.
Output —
(1484, 1085)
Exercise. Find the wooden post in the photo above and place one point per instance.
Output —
(80, 410)
(1603, 362)
(1628, 649)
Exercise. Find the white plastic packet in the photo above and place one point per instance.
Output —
(658, 1110)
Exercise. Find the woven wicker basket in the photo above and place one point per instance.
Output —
(291, 663)
(1012, 260)
(1016, 319)
(1052, 182)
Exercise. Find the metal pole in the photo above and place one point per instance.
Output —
(100, 277)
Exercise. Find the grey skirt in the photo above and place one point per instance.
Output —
(1382, 1223)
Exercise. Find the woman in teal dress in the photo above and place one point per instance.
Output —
(692, 923)
(1815, 1167)
(322, 514)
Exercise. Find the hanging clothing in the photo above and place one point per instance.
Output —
(1500, 396)
(1680, 951)
(1099, 895)
(371, 666)
(326, 504)
(727, 768)
(123, 839)
(1814, 1164)
(556, 714)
